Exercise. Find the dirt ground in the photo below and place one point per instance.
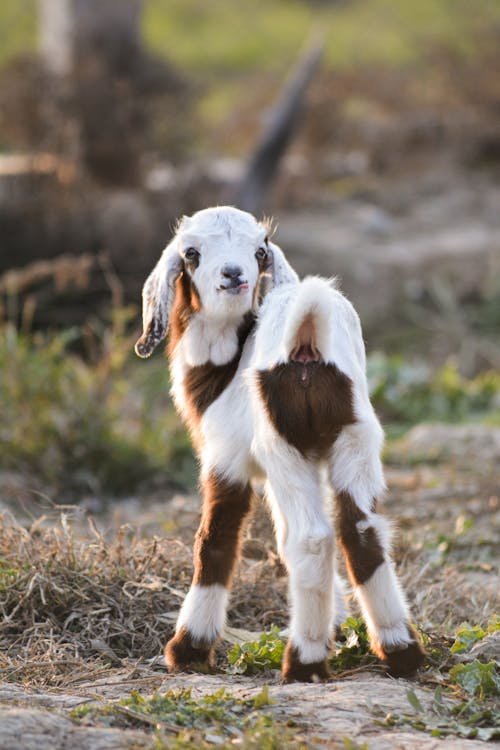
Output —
(324, 714)
(444, 497)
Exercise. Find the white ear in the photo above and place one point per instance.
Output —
(279, 268)
(157, 298)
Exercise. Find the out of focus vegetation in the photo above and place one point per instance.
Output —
(225, 36)
(104, 422)
(235, 36)
(406, 392)
(222, 40)
(85, 425)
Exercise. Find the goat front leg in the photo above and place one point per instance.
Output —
(356, 475)
(305, 542)
(203, 613)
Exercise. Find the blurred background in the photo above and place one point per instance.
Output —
(370, 130)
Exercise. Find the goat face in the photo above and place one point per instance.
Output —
(224, 252)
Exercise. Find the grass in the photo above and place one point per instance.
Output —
(464, 703)
(447, 717)
(378, 32)
(74, 600)
(69, 600)
(352, 653)
(18, 30)
(180, 720)
(79, 606)
(215, 38)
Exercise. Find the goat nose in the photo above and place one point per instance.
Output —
(231, 272)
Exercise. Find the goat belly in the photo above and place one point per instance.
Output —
(307, 402)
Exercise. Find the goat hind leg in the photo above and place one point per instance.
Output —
(356, 474)
(305, 541)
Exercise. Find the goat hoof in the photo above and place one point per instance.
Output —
(404, 662)
(293, 670)
(181, 653)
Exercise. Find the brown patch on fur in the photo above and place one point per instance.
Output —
(181, 652)
(404, 661)
(225, 505)
(294, 670)
(308, 403)
(205, 383)
(186, 303)
(362, 550)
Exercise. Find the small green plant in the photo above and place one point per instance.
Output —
(437, 647)
(267, 652)
(9, 574)
(443, 717)
(353, 745)
(218, 719)
(477, 679)
(476, 714)
(257, 656)
(355, 651)
(467, 635)
(181, 709)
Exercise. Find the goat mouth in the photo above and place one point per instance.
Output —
(234, 288)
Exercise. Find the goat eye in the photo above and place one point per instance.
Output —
(191, 254)
(261, 253)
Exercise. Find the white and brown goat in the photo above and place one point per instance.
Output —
(268, 372)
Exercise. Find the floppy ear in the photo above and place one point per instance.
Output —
(279, 268)
(157, 298)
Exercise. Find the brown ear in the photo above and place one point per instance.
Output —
(157, 298)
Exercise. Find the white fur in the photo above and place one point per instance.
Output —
(337, 328)
(305, 539)
(235, 430)
(339, 609)
(355, 462)
(381, 526)
(222, 236)
(206, 339)
(226, 430)
(310, 651)
(281, 270)
(312, 301)
(382, 600)
(203, 612)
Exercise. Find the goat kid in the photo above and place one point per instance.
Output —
(286, 394)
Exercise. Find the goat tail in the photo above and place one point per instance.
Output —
(309, 321)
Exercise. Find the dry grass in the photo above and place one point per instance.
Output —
(73, 601)
(69, 603)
